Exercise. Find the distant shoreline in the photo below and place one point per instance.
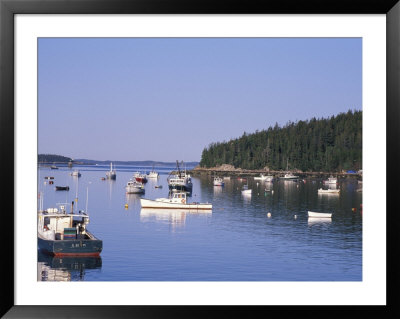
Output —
(130, 163)
(248, 172)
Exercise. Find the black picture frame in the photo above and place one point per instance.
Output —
(8, 8)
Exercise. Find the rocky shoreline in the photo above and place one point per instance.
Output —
(229, 170)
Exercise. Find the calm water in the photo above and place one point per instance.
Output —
(236, 242)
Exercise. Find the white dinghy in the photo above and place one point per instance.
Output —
(319, 215)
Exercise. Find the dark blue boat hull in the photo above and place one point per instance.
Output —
(71, 247)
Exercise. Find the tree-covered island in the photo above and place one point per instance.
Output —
(53, 158)
(317, 145)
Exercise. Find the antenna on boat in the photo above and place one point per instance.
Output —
(87, 198)
(179, 171)
(76, 194)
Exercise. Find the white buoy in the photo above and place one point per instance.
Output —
(272, 192)
(269, 215)
(295, 216)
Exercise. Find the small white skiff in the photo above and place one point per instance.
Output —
(319, 215)
(328, 191)
(176, 201)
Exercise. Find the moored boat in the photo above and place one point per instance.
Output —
(289, 175)
(175, 201)
(152, 174)
(139, 177)
(134, 187)
(218, 181)
(262, 177)
(319, 215)
(331, 180)
(76, 173)
(111, 174)
(180, 181)
(65, 234)
(62, 188)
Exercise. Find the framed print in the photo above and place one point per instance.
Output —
(167, 120)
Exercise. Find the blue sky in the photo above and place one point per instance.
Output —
(165, 99)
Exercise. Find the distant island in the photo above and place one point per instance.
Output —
(59, 159)
(53, 158)
(317, 145)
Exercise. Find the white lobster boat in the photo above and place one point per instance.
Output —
(218, 181)
(319, 215)
(76, 173)
(176, 201)
(331, 180)
(266, 178)
(152, 174)
(134, 187)
(328, 191)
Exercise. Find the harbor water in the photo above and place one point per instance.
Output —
(263, 237)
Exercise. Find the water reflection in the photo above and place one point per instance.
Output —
(318, 220)
(174, 217)
(218, 190)
(133, 199)
(246, 197)
(111, 183)
(51, 268)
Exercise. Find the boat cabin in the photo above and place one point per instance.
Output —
(57, 224)
(179, 198)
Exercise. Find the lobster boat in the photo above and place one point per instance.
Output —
(64, 234)
(177, 200)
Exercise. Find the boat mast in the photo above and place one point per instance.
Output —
(179, 171)
(76, 194)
